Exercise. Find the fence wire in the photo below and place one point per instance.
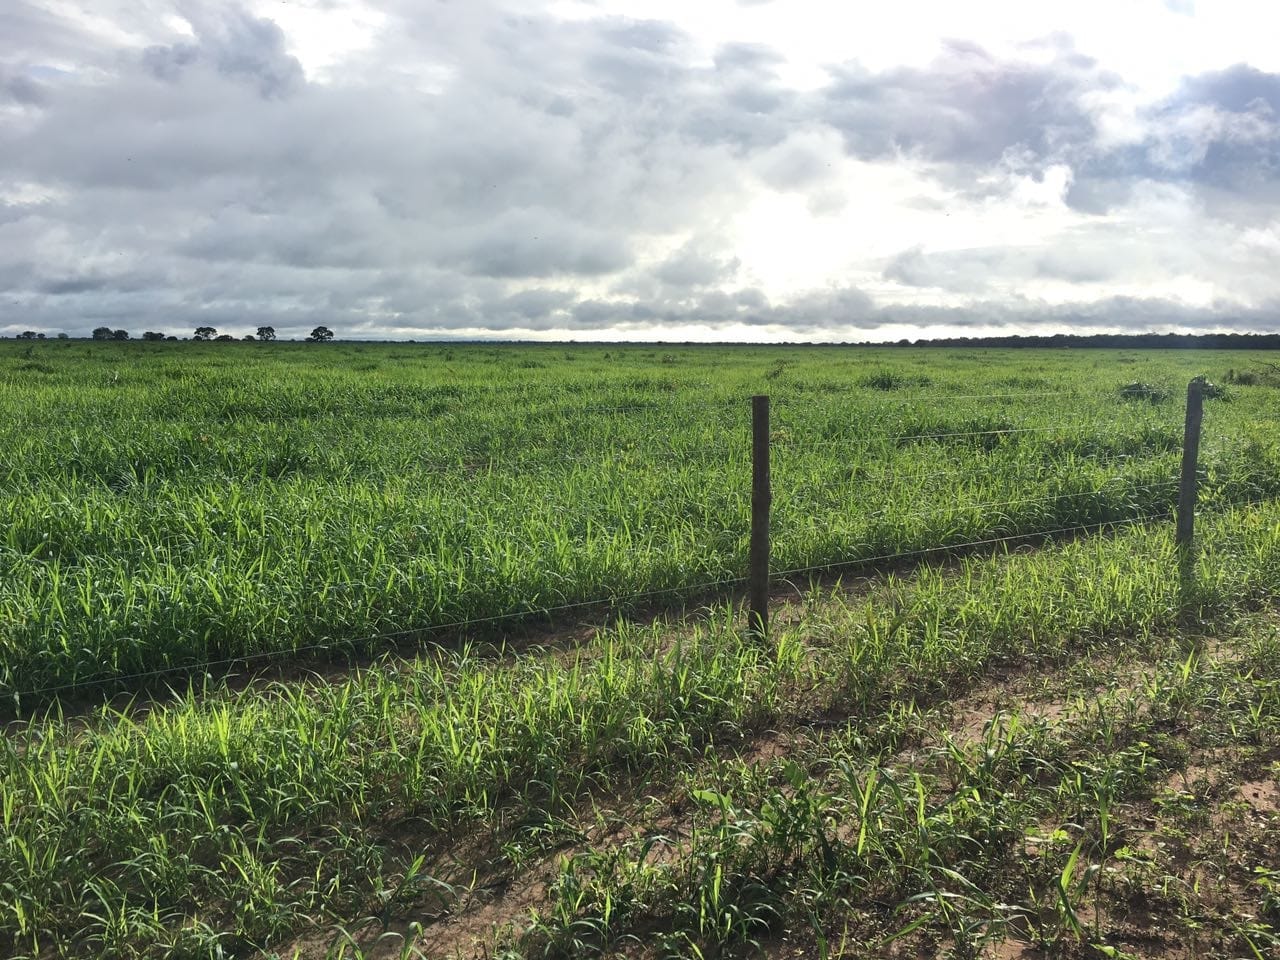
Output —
(355, 643)
(530, 615)
(897, 557)
(609, 457)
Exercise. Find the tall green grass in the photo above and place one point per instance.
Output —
(165, 506)
(225, 822)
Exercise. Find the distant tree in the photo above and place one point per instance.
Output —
(27, 335)
(102, 333)
(64, 336)
(320, 335)
(248, 336)
(266, 333)
(206, 333)
(120, 335)
(152, 335)
(171, 337)
(40, 336)
(224, 336)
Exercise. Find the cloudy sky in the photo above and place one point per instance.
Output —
(667, 169)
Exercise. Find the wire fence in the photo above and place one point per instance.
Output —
(897, 557)
(954, 508)
(530, 615)
(1130, 503)
(385, 638)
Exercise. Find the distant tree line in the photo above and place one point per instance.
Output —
(1151, 341)
(265, 333)
(1141, 341)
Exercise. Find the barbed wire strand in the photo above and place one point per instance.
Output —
(888, 558)
(996, 504)
(355, 642)
(1150, 459)
(904, 438)
(1030, 535)
(688, 590)
(907, 397)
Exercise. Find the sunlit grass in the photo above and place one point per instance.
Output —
(176, 507)
(173, 821)
(171, 505)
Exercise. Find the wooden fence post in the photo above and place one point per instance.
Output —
(761, 500)
(1190, 461)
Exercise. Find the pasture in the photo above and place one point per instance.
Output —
(436, 649)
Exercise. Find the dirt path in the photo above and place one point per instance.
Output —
(505, 896)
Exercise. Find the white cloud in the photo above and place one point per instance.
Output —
(763, 170)
(323, 35)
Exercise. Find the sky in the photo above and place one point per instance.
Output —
(658, 170)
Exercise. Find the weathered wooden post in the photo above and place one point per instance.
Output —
(1190, 461)
(761, 501)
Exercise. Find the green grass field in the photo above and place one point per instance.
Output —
(938, 756)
